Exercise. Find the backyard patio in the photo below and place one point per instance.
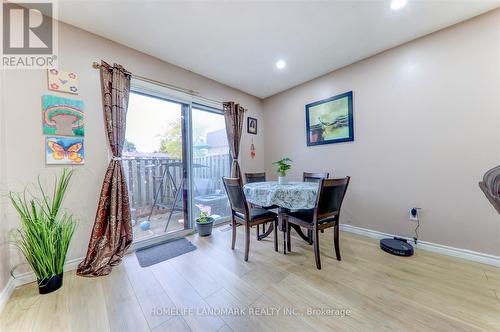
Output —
(156, 190)
(157, 225)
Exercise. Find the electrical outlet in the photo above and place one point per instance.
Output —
(413, 214)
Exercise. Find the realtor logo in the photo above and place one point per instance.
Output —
(28, 35)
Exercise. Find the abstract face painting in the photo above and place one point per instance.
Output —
(62, 116)
(64, 150)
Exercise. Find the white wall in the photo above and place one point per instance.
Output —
(4, 246)
(23, 158)
(427, 127)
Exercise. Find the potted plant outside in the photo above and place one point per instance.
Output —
(283, 166)
(45, 232)
(204, 224)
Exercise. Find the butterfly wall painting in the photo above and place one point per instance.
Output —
(62, 81)
(64, 150)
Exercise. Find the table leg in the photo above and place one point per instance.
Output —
(301, 234)
(266, 233)
(275, 226)
(281, 216)
(282, 227)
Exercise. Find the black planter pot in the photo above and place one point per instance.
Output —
(51, 284)
(205, 228)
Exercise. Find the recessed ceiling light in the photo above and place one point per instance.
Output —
(398, 4)
(281, 64)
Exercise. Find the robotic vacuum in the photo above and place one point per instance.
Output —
(396, 246)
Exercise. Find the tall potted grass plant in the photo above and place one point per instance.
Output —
(45, 231)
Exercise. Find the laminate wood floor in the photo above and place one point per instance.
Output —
(213, 289)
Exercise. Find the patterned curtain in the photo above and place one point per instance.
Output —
(234, 115)
(112, 232)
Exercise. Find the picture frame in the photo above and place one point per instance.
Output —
(60, 150)
(62, 81)
(252, 125)
(62, 116)
(330, 120)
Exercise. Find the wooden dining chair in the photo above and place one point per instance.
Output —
(255, 177)
(314, 177)
(259, 177)
(325, 214)
(242, 214)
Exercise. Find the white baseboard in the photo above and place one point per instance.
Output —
(429, 246)
(27, 277)
(6, 293)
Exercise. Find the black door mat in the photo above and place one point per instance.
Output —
(162, 252)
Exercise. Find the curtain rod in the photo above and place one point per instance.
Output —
(193, 93)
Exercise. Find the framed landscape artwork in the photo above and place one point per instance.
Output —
(330, 120)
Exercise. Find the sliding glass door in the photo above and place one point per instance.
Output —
(211, 161)
(155, 165)
(174, 157)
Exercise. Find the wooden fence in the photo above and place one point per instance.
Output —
(212, 167)
(144, 175)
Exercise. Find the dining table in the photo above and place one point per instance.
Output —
(293, 195)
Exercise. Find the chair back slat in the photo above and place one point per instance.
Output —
(236, 195)
(331, 195)
(255, 177)
(314, 177)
